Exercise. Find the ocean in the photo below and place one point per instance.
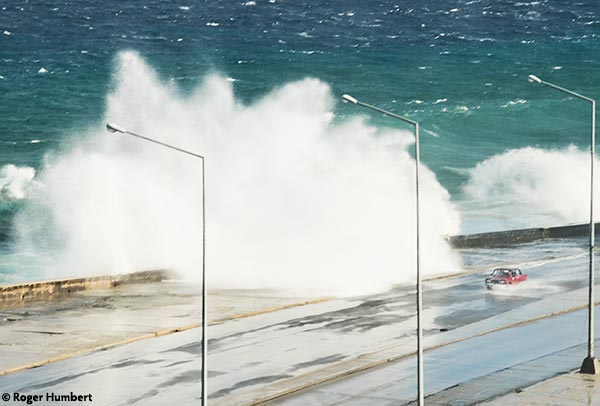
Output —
(299, 184)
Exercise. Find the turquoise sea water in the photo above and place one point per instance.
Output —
(458, 67)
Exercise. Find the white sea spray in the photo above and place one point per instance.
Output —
(533, 187)
(15, 181)
(294, 200)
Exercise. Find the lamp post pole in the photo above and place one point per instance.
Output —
(590, 363)
(420, 395)
(114, 128)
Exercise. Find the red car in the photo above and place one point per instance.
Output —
(505, 276)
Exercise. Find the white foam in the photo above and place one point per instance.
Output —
(533, 187)
(294, 201)
(511, 103)
(15, 182)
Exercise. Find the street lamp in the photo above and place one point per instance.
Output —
(590, 363)
(114, 128)
(349, 99)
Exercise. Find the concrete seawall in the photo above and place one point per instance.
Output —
(520, 236)
(16, 295)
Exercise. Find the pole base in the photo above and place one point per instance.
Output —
(590, 366)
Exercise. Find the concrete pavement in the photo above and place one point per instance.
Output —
(246, 381)
(458, 303)
(166, 370)
(49, 331)
(572, 389)
(462, 372)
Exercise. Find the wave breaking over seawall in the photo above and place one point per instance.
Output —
(530, 187)
(295, 200)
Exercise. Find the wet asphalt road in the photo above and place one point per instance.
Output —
(246, 354)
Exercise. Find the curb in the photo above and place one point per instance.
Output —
(360, 363)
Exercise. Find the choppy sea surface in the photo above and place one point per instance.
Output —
(229, 79)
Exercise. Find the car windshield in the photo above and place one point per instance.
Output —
(502, 272)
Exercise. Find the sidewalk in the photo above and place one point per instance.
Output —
(52, 330)
(97, 319)
(572, 389)
(498, 387)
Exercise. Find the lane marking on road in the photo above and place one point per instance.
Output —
(168, 331)
(173, 330)
(368, 365)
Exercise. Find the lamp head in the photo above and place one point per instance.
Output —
(114, 128)
(349, 99)
(534, 79)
